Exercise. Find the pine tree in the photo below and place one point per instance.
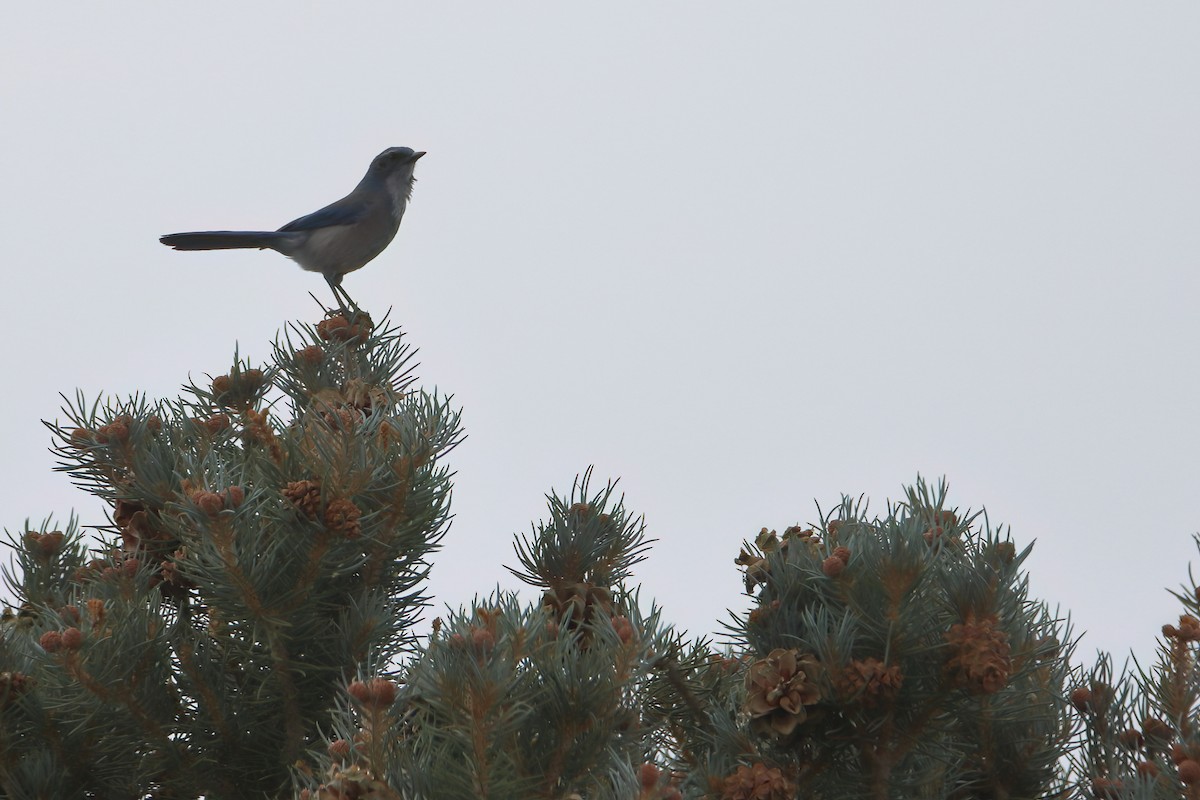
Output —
(246, 625)
(1141, 729)
(894, 656)
(262, 549)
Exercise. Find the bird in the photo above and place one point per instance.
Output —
(339, 238)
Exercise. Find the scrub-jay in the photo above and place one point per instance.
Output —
(339, 238)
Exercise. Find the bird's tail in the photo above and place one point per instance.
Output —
(223, 240)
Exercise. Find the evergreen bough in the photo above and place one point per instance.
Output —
(245, 627)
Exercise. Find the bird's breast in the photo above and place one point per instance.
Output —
(345, 248)
(399, 189)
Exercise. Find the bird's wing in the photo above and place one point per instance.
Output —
(343, 212)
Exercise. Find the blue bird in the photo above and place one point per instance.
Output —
(342, 236)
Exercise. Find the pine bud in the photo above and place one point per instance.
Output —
(350, 331)
(833, 566)
(649, 775)
(339, 749)
(51, 641)
(1131, 738)
(210, 503)
(234, 496)
(624, 629)
(483, 639)
(215, 424)
(113, 432)
(358, 690)
(376, 693)
(238, 389)
(1081, 698)
(1189, 772)
(12, 685)
(1156, 732)
(329, 329)
(72, 638)
(310, 356)
(45, 545)
(1007, 551)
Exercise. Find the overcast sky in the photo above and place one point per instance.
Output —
(742, 256)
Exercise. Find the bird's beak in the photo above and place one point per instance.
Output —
(418, 154)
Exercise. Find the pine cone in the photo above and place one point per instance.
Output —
(779, 687)
(805, 535)
(757, 782)
(137, 530)
(12, 686)
(364, 396)
(981, 662)
(757, 571)
(342, 516)
(353, 783)
(578, 603)
(868, 681)
(304, 495)
(353, 331)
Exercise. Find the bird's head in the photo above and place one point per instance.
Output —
(394, 167)
(396, 160)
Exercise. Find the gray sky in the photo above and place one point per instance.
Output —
(740, 256)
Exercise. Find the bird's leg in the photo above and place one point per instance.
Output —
(349, 301)
(334, 282)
